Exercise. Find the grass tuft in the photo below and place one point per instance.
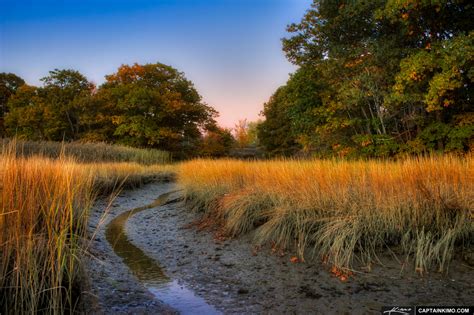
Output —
(342, 210)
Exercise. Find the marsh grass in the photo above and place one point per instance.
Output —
(43, 214)
(87, 152)
(44, 206)
(342, 211)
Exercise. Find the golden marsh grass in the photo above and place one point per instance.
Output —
(342, 210)
(44, 206)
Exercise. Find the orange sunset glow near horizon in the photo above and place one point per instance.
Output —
(230, 50)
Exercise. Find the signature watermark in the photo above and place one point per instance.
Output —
(398, 310)
(427, 310)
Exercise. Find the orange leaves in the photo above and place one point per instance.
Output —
(415, 76)
(340, 273)
(405, 16)
(241, 133)
(279, 251)
(294, 259)
(343, 275)
(336, 271)
(366, 143)
(354, 63)
(130, 72)
(127, 73)
(358, 60)
(117, 120)
(447, 103)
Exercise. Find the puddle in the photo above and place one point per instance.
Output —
(148, 270)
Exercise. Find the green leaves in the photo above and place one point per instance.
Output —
(155, 105)
(389, 77)
(151, 105)
(438, 78)
(50, 112)
(9, 84)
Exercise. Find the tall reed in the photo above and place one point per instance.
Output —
(342, 210)
(43, 214)
(44, 205)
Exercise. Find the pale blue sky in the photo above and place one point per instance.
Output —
(230, 49)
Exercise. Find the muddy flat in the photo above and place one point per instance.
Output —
(114, 289)
(230, 276)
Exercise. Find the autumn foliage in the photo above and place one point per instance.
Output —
(376, 79)
(151, 105)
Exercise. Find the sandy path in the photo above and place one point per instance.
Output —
(230, 277)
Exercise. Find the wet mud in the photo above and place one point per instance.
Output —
(233, 278)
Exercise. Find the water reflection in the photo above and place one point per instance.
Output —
(148, 270)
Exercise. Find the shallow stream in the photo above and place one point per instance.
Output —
(149, 271)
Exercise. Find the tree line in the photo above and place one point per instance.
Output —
(151, 105)
(376, 79)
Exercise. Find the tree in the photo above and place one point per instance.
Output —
(154, 105)
(150, 105)
(9, 84)
(25, 118)
(387, 76)
(294, 114)
(216, 142)
(252, 132)
(439, 80)
(275, 133)
(62, 92)
(356, 56)
(242, 137)
(96, 116)
(53, 110)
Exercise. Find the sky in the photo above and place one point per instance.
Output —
(230, 49)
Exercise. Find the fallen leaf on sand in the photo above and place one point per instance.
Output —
(294, 259)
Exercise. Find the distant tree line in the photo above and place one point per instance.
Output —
(151, 105)
(376, 79)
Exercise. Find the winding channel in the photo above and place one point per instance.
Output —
(148, 270)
